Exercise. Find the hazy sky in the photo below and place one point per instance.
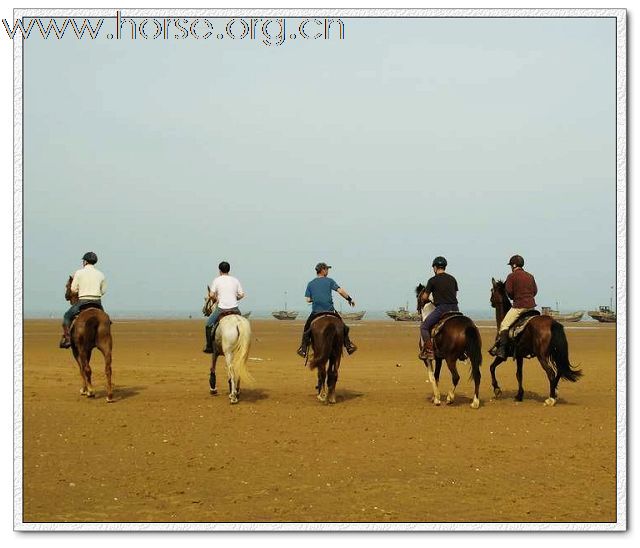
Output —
(469, 138)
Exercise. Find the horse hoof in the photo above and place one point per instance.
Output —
(213, 391)
(475, 404)
(549, 402)
(437, 403)
(497, 392)
(450, 399)
(233, 400)
(91, 395)
(322, 398)
(331, 400)
(110, 399)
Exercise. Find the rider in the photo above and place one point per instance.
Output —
(521, 289)
(226, 291)
(89, 284)
(318, 293)
(443, 287)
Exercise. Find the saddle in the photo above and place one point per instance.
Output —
(444, 319)
(227, 313)
(83, 307)
(518, 326)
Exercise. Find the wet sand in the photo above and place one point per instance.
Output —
(167, 451)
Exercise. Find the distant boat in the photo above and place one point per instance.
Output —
(604, 314)
(403, 315)
(284, 315)
(246, 314)
(569, 317)
(352, 315)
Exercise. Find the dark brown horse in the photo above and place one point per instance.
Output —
(458, 339)
(544, 338)
(327, 339)
(91, 329)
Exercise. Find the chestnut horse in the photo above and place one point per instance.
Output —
(327, 340)
(544, 338)
(90, 329)
(458, 339)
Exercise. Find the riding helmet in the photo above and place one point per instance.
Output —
(90, 257)
(439, 262)
(516, 260)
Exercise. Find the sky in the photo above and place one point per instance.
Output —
(410, 138)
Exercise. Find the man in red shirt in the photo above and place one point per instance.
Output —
(521, 289)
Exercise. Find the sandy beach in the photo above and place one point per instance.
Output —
(168, 451)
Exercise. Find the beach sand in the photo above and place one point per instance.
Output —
(167, 451)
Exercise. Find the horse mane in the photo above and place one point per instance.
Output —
(419, 289)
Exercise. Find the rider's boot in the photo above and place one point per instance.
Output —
(351, 348)
(65, 341)
(502, 346)
(208, 335)
(427, 350)
(304, 345)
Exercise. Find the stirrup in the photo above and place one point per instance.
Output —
(351, 348)
(302, 351)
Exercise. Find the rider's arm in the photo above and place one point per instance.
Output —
(103, 286)
(240, 293)
(346, 296)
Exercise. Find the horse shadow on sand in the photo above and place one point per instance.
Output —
(343, 395)
(510, 396)
(123, 392)
(253, 394)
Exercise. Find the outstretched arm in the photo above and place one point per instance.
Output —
(344, 294)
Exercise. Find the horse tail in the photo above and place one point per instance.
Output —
(559, 354)
(473, 347)
(333, 346)
(240, 351)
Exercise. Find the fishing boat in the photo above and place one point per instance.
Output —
(604, 314)
(352, 315)
(285, 314)
(403, 315)
(568, 317)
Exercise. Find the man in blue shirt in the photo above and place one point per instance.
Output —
(318, 293)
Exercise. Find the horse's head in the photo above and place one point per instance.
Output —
(498, 293)
(421, 296)
(209, 302)
(68, 294)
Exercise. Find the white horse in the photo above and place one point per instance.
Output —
(233, 341)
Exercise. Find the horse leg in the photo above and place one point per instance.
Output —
(212, 375)
(322, 385)
(520, 394)
(497, 392)
(332, 379)
(433, 379)
(231, 375)
(76, 355)
(85, 356)
(475, 371)
(455, 378)
(553, 381)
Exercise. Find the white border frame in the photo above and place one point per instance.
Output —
(621, 269)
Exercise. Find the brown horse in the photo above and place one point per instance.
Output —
(327, 339)
(459, 339)
(91, 329)
(544, 338)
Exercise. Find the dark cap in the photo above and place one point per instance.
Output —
(516, 260)
(321, 266)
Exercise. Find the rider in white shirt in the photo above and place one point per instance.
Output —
(226, 292)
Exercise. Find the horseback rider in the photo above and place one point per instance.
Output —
(443, 287)
(318, 293)
(521, 289)
(226, 291)
(89, 284)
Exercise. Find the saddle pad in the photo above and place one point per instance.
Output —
(227, 313)
(445, 318)
(322, 315)
(522, 321)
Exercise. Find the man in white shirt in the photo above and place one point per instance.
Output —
(226, 291)
(89, 284)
